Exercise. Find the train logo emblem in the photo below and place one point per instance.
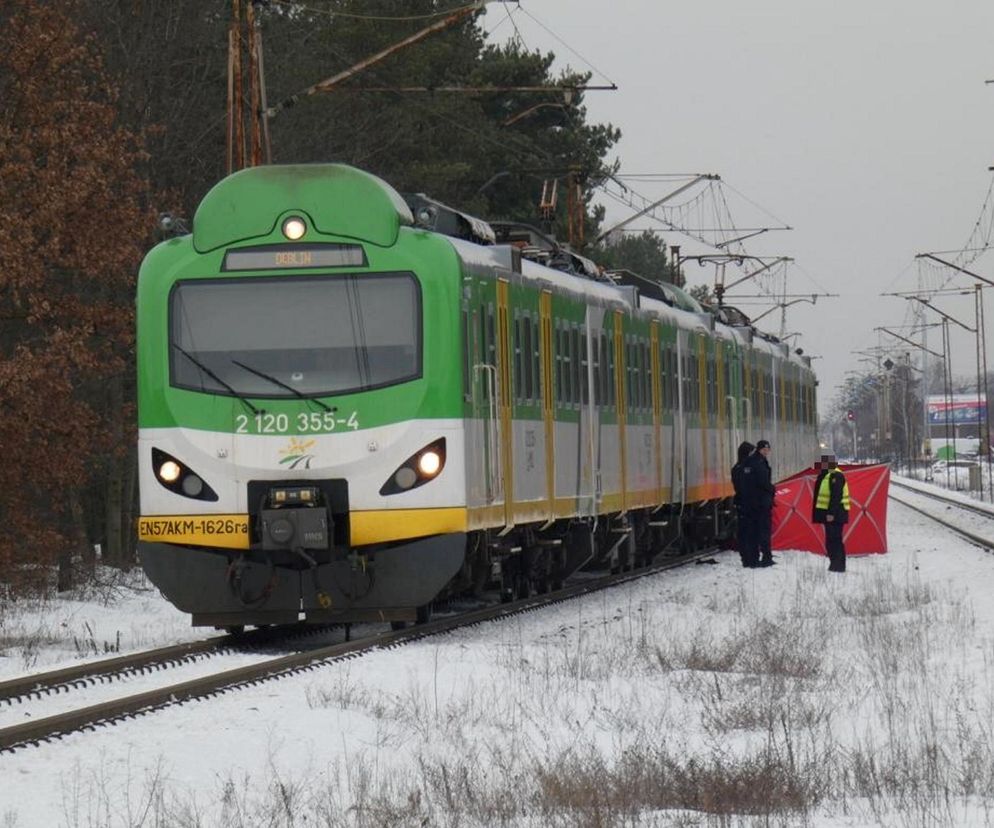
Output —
(296, 454)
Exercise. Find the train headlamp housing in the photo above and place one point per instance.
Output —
(420, 468)
(294, 228)
(180, 478)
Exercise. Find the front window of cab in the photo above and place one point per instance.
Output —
(295, 336)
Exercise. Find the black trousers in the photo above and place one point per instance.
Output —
(834, 547)
(746, 538)
(763, 518)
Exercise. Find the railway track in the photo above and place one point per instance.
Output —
(986, 542)
(107, 669)
(40, 729)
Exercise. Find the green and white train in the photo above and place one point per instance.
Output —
(346, 414)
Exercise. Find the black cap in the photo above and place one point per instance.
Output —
(762, 444)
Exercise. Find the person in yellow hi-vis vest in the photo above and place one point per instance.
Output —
(831, 508)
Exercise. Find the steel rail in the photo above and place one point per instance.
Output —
(970, 507)
(984, 543)
(38, 730)
(38, 684)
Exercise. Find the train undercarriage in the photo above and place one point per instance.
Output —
(399, 583)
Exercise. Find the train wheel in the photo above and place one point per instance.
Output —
(235, 629)
(424, 614)
(398, 625)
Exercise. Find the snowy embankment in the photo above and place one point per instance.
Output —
(783, 696)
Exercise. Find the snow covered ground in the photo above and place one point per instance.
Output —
(710, 695)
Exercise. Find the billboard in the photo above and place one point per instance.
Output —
(959, 409)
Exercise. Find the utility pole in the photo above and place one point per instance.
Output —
(245, 39)
(575, 210)
(245, 36)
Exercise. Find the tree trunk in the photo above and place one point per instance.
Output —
(64, 581)
(129, 509)
(113, 549)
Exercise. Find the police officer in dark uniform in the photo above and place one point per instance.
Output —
(831, 509)
(744, 534)
(758, 495)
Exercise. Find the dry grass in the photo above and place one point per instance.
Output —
(863, 701)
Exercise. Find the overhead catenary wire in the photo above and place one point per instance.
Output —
(295, 6)
(559, 40)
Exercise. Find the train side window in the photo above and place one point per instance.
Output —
(467, 355)
(642, 372)
(663, 375)
(712, 385)
(688, 403)
(483, 379)
(491, 337)
(516, 347)
(606, 371)
(584, 370)
(706, 387)
(567, 397)
(567, 365)
(574, 355)
(558, 347)
(629, 368)
(647, 377)
(612, 370)
(527, 366)
(595, 355)
(693, 400)
(537, 358)
(637, 374)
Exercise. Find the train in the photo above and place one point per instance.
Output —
(354, 404)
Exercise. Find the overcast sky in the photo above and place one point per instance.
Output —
(866, 126)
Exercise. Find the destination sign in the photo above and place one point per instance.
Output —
(284, 256)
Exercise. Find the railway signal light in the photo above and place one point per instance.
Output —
(851, 415)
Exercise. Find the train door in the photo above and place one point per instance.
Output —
(590, 410)
(678, 449)
(656, 372)
(505, 399)
(548, 403)
(485, 438)
(620, 367)
(702, 469)
(747, 392)
(724, 415)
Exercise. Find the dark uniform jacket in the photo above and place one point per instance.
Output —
(758, 490)
(737, 471)
(835, 506)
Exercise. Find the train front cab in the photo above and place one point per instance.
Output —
(324, 496)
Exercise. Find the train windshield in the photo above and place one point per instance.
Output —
(294, 337)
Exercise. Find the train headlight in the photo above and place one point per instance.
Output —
(418, 469)
(294, 228)
(179, 478)
(169, 471)
(429, 463)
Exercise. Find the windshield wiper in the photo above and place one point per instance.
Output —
(295, 391)
(216, 379)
